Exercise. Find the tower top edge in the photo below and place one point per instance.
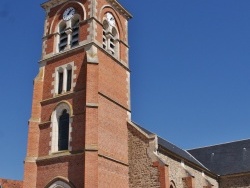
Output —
(52, 3)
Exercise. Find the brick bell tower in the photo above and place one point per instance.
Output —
(78, 134)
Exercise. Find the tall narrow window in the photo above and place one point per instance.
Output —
(61, 128)
(63, 37)
(110, 36)
(63, 79)
(69, 79)
(63, 137)
(60, 82)
(104, 40)
(75, 33)
(112, 45)
(104, 37)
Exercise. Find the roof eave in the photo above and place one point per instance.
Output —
(51, 3)
(120, 9)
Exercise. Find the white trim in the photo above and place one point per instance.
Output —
(68, 31)
(111, 33)
(54, 126)
(59, 184)
(55, 75)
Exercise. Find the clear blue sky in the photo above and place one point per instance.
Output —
(190, 68)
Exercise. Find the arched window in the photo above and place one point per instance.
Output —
(61, 128)
(69, 79)
(110, 35)
(172, 184)
(59, 184)
(75, 32)
(60, 81)
(69, 33)
(64, 79)
(63, 137)
(63, 41)
(112, 43)
(104, 38)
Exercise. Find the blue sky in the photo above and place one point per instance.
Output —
(190, 80)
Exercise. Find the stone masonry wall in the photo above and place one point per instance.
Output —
(242, 181)
(142, 174)
(178, 171)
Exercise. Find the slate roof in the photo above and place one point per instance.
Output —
(225, 159)
(178, 151)
(183, 154)
(222, 159)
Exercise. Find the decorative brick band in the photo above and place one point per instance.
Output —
(114, 160)
(113, 101)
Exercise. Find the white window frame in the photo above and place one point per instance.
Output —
(68, 31)
(110, 33)
(64, 69)
(59, 184)
(55, 129)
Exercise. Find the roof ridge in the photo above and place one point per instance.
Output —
(230, 142)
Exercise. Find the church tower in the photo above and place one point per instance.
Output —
(78, 135)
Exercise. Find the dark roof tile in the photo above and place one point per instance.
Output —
(225, 159)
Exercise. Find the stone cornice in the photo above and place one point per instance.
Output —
(52, 3)
(120, 8)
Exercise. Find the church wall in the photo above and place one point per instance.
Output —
(5, 183)
(55, 16)
(120, 20)
(61, 166)
(79, 70)
(178, 172)
(113, 80)
(112, 174)
(76, 100)
(112, 130)
(142, 173)
(241, 181)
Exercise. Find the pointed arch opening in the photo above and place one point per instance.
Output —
(63, 133)
(63, 36)
(172, 184)
(60, 182)
(75, 30)
(110, 35)
(61, 128)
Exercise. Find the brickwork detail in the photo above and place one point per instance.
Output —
(5, 183)
(112, 174)
(98, 102)
(188, 182)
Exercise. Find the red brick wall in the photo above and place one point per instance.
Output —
(55, 16)
(79, 59)
(112, 174)
(70, 167)
(112, 132)
(113, 80)
(5, 183)
(188, 182)
(100, 101)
